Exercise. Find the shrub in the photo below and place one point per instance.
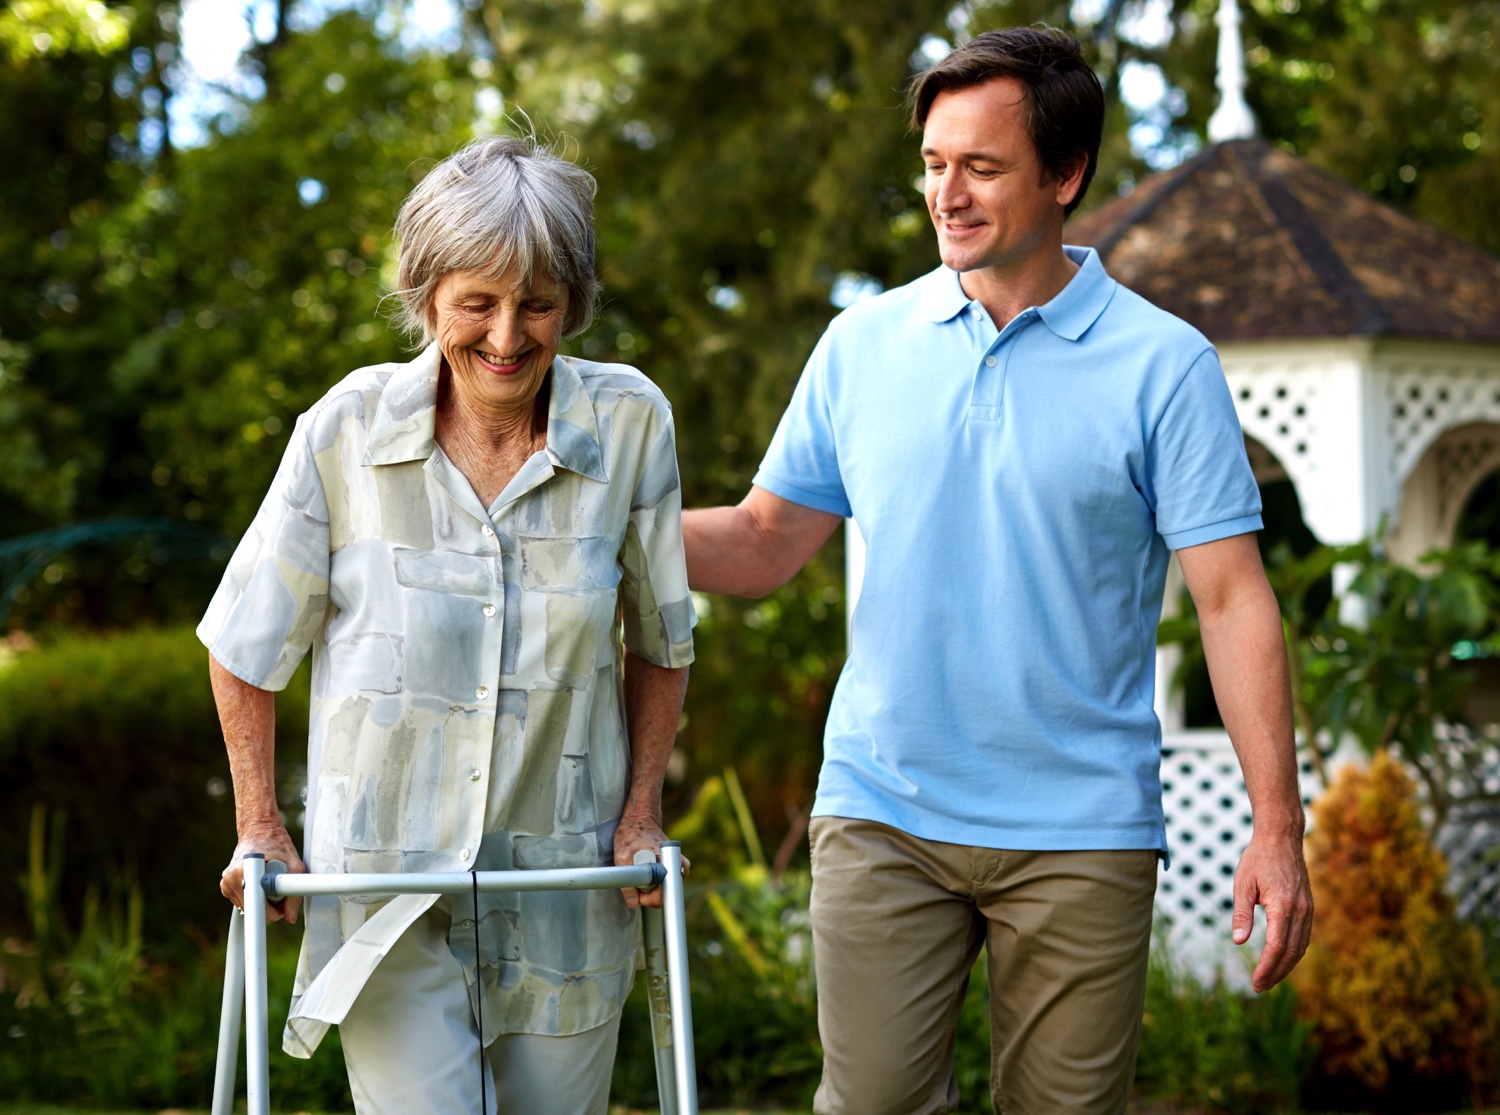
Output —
(125, 1027)
(1215, 1048)
(1394, 983)
(116, 740)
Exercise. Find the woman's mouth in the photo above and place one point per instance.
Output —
(504, 364)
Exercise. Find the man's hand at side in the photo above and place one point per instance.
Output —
(754, 548)
(1272, 874)
(1246, 651)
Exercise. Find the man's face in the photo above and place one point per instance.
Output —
(991, 202)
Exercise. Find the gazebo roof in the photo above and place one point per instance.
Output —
(1247, 242)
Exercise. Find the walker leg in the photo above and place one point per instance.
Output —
(660, 997)
(230, 1013)
(675, 915)
(257, 1022)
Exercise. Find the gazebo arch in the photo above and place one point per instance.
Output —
(1439, 485)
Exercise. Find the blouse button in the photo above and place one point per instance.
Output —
(482, 692)
(489, 610)
(487, 530)
(464, 855)
(474, 774)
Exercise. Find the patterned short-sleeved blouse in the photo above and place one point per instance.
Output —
(466, 707)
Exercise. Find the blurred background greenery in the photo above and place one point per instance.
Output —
(186, 264)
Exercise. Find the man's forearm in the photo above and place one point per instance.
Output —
(726, 552)
(755, 547)
(1246, 652)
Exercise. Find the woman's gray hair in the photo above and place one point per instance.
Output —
(498, 203)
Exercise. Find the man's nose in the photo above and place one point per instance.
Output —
(951, 194)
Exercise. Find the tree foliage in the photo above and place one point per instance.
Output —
(1399, 97)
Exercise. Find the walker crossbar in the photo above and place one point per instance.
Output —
(666, 960)
(283, 884)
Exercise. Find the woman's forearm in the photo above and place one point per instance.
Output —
(653, 708)
(248, 718)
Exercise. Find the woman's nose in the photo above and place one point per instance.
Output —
(505, 333)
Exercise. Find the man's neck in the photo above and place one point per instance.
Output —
(1007, 290)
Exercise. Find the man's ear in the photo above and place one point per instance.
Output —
(1070, 183)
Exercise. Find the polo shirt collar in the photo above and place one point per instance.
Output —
(405, 424)
(1079, 304)
(1070, 313)
(943, 297)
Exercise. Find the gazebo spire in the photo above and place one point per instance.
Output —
(1233, 118)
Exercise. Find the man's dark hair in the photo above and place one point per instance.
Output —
(1064, 100)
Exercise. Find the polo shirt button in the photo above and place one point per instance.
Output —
(482, 692)
(489, 610)
(474, 774)
(487, 530)
(990, 361)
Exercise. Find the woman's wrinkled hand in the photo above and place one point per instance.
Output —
(273, 842)
(641, 830)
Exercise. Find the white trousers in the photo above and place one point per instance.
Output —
(412, 1046)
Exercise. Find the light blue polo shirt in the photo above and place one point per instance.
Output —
(1019, 491)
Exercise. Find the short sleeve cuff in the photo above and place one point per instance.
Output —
(778, 487)
(226, 654)
(663, 637)
(1226, 528)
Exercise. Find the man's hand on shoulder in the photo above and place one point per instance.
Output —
(1272, 873)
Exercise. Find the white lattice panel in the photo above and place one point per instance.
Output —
(1422, 401)
(1300, 406)
(1278, 406)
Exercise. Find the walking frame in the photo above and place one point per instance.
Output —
(665, 931)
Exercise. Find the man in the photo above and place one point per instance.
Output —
(1022, 443)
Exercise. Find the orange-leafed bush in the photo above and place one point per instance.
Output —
(1394, 983)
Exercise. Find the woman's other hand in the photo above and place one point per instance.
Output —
(274, 843)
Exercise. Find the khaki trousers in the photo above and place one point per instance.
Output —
(897, 924)
(412, 1046)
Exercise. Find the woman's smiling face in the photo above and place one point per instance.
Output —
(498, 335)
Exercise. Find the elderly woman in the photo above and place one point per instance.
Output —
(457, 539)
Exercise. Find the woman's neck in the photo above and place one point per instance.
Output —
(489, 444)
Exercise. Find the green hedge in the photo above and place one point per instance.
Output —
(113, 744)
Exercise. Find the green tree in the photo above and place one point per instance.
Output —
(200, 302)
